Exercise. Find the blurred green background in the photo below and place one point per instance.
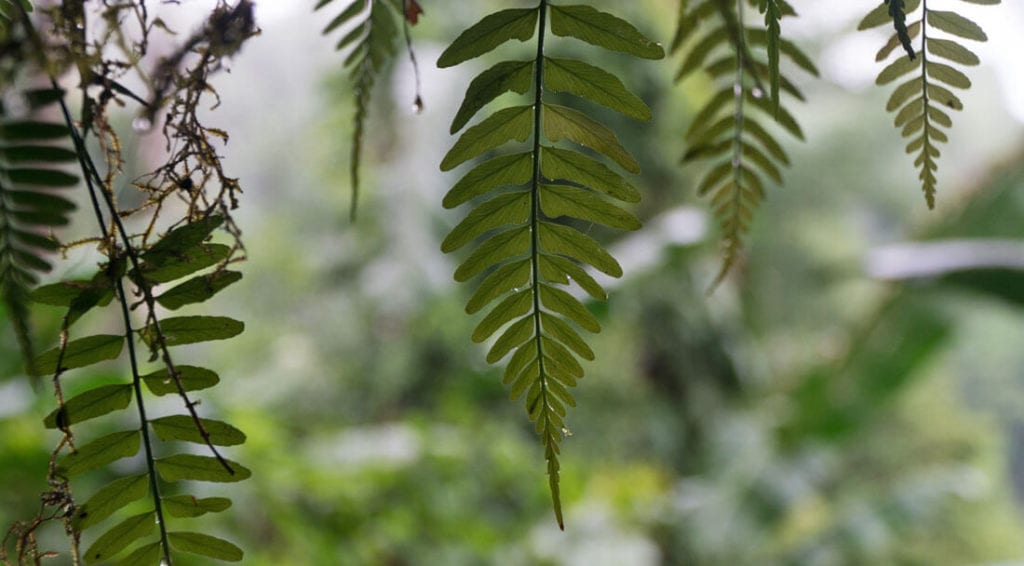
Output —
(808, 412)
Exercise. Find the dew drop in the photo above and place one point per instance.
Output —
(566, 431)
(515, 289)
(167, 381)
(737, 89)
(757, 92)
(142, 124)
(417, 105)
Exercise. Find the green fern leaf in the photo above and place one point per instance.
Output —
(530, 256)
(100, 452)
(727, 130)
(373, 44)
(199, 468)
(109, 499)
(182, 427)
(89, 405)
(182, 330)
(28, 208)
(191, 378)
(80, 353)
(205, 545)
(188, 506)
(920, 101)
(120, 536)
(489, 33)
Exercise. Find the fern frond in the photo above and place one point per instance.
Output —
(30, 208)
(372, 42)
(179, 254)
(527, 250)
(713, 38)
(921, 102)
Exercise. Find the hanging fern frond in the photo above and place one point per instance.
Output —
(371, 38)
(529, 248)
(728, 129)
(921, 102)
(30, 207)
(180, 254)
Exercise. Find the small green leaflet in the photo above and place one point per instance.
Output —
(182, 427)
(182, 330)
(100, 452)
(489, 33)
(503, 126)
(146, 554)
(181, 239)
(198, 289)
(199, 468)
(178, 265)
(561, 122)
(109, 499)
(603, 30)
(205, 545)
(80, 353)
(508, 76)
(190, 506)
(192, 379)
(112, 542)
(90, 404)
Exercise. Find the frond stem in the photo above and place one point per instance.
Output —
(535, 250)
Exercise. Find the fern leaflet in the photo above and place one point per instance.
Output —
(921, 101)
(727, 129)
(371, 41)
(528, 252)
(30, 206)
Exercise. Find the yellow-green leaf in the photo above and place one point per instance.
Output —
(567, 241)
(603, 30)
(561, 122)
(561, 200)
(562, 164)
(594, 84)
(953, 23)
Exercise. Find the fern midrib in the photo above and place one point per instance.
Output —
(535, 249)
(929, 188)
(737, 140)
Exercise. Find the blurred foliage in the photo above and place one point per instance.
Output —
(805, 414)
